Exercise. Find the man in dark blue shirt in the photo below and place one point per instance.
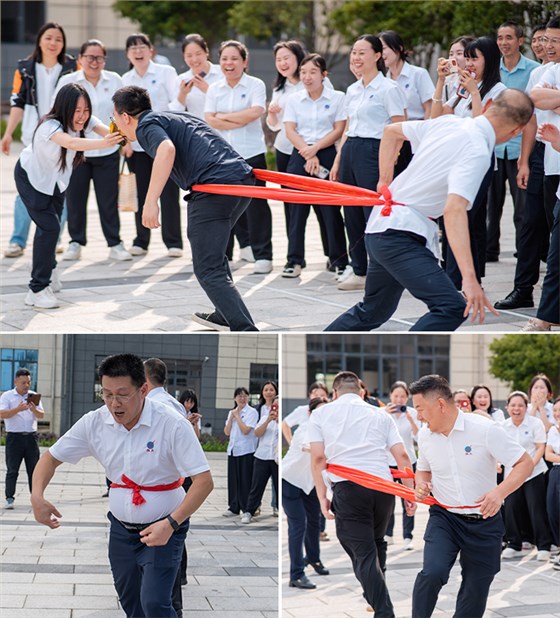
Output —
(189, 152)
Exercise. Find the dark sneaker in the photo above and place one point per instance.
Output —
(517, 299)
(210, 320)
(291, 271)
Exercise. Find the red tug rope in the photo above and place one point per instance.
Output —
(387, 487)
(305, 190)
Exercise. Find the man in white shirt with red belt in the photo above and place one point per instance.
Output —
(451, 157)
(457, 456)
(146, 449)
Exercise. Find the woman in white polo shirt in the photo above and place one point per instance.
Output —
(314, 120)
(540, 394)
(371, 103)
(525, 508)
(266, 456)
(42, 174)
(240, 429)
(101, 166)
(234, 107)
(160, 81)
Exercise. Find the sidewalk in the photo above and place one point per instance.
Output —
(158, 294)
(522, 588)
(65, 573)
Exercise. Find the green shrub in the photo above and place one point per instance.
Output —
(214, 444)
(17, 133)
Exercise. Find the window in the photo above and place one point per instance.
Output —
(261, 373)
(21, 20)
(12, 360)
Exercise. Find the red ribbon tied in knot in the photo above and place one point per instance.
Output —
(137, 497)
(388, 206)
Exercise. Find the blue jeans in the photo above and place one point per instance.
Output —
(398, 261)
(22, 221)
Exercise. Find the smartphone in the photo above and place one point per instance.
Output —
(462, 91)
(452, 66)
(201, 74)
(323, 172)
(399, 409)
(34, 398)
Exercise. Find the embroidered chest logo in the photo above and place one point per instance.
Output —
(150, 446)
(327, 106)
(468, 450)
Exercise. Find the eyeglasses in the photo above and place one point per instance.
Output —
(545, 39)
(135, 48)
(92, 59)
(118, 398)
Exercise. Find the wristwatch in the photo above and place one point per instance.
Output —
(173, 523)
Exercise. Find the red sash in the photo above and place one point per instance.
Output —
(137, 497)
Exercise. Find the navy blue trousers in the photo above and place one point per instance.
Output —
(549, 306)
(144, 576)
(479, 543)
(553, 503)
(399, 261)
(304, 523)
(407, 521)
(359, 166)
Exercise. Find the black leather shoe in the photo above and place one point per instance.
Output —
(319, 567)
(303, 582)
(516, 299)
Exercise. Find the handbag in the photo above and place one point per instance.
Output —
(128, 196)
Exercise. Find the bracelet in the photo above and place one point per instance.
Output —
(437, 100)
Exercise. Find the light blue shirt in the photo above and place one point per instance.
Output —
(516, 78)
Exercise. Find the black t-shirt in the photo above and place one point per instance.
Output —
(201, 155)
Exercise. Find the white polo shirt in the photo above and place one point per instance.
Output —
(158, 450)
(240, 443)
(24, 421)
(250, 91)
(463, 464)
(417, 86)
(370, 108)
(535, 77)
(550, 76)
(41, 158)
(298, 416)
(451, 155)
(548, 406)
(280, 97)
(196, 99)
(46, 81)
(315, 119)
(553, 440)
(463, 110)
(161, 395)
(160, 80)
(101, 100)
(267, 448)
(530, 433)
(405, 430)
(355, 434)
(296, 465)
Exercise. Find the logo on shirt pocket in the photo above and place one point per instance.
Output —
(468, 450)
(243, 95)
(150, 446)
(327, 106)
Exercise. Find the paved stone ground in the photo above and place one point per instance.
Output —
(64, 573)
(522, 588)
(156, 293)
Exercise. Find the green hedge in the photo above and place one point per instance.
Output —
(17, 133)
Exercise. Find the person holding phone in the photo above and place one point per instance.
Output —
(314, 119)
(189, 401)
(372, 103)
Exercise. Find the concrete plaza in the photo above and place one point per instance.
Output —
(65, 573)
(522, 588)
(155, 293)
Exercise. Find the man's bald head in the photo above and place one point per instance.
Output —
(510, 111)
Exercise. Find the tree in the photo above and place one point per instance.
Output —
(517, 358)
(173, 20)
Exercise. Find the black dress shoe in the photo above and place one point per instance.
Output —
(319, 567)
(303, 582)
(492, 258)
(516, 300)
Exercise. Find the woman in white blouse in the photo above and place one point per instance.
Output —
(481, 399)
(42, 174)
(540, 394)
(160, 81)
(266, 456)
(234, 107)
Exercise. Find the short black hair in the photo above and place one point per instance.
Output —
(432, 384)
(23, 372)
(156, 371)
(348, 379)
(509, 23)
(554, 22)
(123, 365)
(241, 390)
(132, 100)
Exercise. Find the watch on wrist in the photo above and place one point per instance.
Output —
(173, 523)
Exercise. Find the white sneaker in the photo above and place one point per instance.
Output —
(408, 545)
(509, 552)
(59, 248)
(534, 325)
(229, 513)
(543, 555)
(389, 540)
(136, 250)
(246, 518)
(45, 299)
(246, 254)
(274, 512)
(13, 250)
(556, 563)
(174, 252)
(118, 252)
(56, 283)
(526, 545)
(9, 506)
(73, 251)
(345, 274)
(353, 282)
(262, 267)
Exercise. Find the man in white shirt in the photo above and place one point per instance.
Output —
(156, 377)
(350, 432)
(146, 449)
(452, 155)
(457, 464)
(20, 415)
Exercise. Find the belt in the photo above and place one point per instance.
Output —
(134, 527)
(23, 433)
(470, 516)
